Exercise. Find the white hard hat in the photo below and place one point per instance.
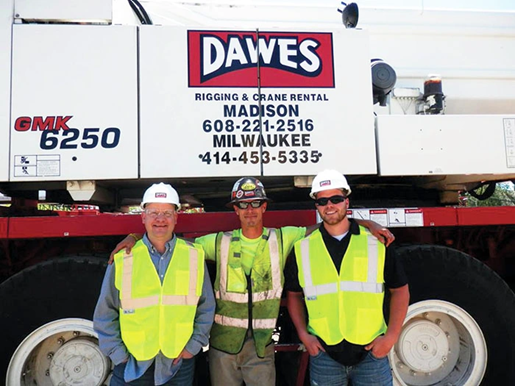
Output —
(161, 193)
(327, 180)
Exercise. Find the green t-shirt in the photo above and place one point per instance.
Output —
(290, 235)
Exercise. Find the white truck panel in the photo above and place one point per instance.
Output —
(5, 86)
(64, 10)
(185, 131)
(173, 141)
(343, 122)
(82, 81)
(446, 144)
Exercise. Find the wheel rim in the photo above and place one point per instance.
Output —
(440, 344)
(62, 352)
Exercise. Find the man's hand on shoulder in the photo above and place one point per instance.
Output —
(378, 231)
(311, 228)
(126, 243)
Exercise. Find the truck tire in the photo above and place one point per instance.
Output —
(46, 322)
(460, 324)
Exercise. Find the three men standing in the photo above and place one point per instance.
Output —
(248, 287)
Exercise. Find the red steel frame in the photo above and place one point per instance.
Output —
(106, 224)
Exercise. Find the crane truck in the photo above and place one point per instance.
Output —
(101, 98)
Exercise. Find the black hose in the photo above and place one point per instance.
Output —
(140, 12)
(137, 12)
(488, 192)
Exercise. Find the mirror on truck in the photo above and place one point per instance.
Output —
(383, 80)
(350, 15)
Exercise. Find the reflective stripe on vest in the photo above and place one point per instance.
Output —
(127, 302)
(244, 323)
(350, 286)
(274, 293)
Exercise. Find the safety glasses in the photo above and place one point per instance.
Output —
(245, 205)
(323, 201)
(152, 213)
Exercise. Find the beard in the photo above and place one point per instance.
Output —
(334, 218)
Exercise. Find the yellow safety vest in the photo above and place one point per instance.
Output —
(155, 317)
(232, 296)
(349, 305)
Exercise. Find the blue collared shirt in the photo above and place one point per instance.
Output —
(107, 326)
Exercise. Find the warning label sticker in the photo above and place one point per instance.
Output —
(37, 165)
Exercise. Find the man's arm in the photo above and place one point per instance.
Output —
(310, 229)
(207, 242)
(295, 304)
(203, 320)
(378, 231)
(106, 321)
(399, 303)
(127, 243)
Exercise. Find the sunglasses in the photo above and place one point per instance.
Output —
(245, 205)
(334, 200)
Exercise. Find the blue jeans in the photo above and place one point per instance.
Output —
(324, 371)
(183, 377)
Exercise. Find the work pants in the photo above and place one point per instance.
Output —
(234, 369)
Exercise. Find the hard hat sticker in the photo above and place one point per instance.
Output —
(248, 186)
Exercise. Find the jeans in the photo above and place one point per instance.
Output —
(324, 371)
(183, 377)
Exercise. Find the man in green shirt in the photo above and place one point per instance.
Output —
(248, 287)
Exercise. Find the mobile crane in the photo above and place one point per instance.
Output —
(100, 98)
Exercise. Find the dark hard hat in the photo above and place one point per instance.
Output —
(247, 189)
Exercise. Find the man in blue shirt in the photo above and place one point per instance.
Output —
(121, 344)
